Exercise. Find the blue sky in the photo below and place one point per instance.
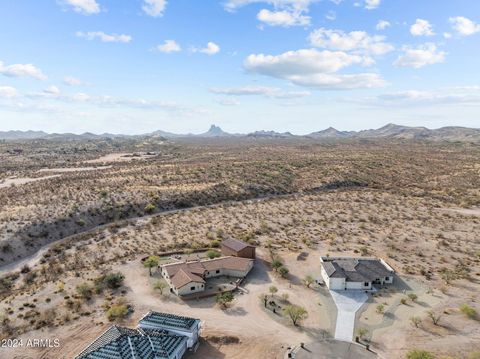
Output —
(135, 66)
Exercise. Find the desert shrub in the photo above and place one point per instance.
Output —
(224, 299)
(150, 208)
(276, 264)
(283, 271)
(272, 289)
(110, 280)
(215, 243)
(213, 254)
(85, 290)
(468, 311)
(415, 321)
(419, 354)
(160, 286)
(117, 311)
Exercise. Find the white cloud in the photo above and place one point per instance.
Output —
(72, 81)
(283, 18)
(447, 35)
(331, 15)
(272, 92)
(228, 101)
(294, 5)
(372, 4)
(8, 92)
(310, 67)
(104, 37)
(52, 90)
(421, 28)
(169, 46)
(211, 49)
(423, 55)
(154, 8)
(22, 70)
(285, 12)
(86, 7)
(449, 96)
(464, 26)
(352, 41)
(382, 25)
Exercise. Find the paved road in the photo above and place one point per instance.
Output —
(347, 302)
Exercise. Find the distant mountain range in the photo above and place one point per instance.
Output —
(390, 131)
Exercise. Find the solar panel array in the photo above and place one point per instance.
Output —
(125, 343)
(168, 320)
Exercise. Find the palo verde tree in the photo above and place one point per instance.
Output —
(295, 313)
(151, 262)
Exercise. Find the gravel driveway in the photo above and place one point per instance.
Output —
(347, 302)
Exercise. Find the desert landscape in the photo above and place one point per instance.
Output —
(72, 245)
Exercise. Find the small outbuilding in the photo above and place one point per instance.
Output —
(236, 248)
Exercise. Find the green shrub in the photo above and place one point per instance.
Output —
(85, 290)
(117, 311)
(213, 254)
(468, 311)
(419, 354)
(283, 271)
(150, 208)
(109, 280)
(215, 243)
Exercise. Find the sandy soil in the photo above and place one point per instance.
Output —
(22, 180)
(258, 330)
(118, 157)
(73, 169)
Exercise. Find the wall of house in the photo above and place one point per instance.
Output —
(229, 272)
(187, 289)
(389, 280)
(227, 251)
(359, 285)
(336, 283)
(248, 252)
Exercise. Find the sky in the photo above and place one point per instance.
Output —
(136, 66)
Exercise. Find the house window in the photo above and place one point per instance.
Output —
(387, 278)
(366, 284)
(217, 271)
(192, 288)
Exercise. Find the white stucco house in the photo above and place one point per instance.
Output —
(186, 278)
(342, 273)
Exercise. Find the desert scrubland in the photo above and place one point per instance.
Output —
(72, 240)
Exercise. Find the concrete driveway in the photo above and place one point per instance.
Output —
(330, 349)
(347, 302)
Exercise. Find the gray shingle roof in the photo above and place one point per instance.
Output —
(356, 269)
